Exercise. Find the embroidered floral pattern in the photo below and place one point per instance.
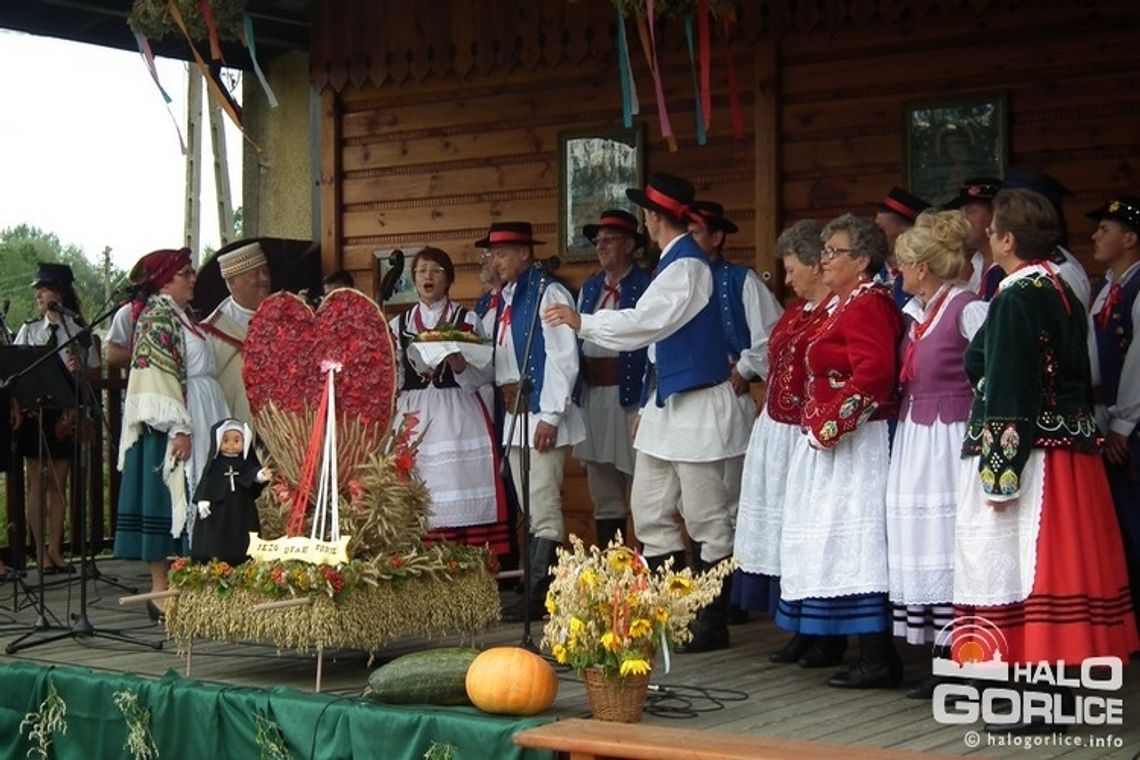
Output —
(849, 406)
(987, 476)
(828, 431)
(1008, 483)
(1010, 441)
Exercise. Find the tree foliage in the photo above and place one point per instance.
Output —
(22, 248)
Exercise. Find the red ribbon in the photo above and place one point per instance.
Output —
(673, 205)
(296, 524)
(608, 292)
(1104, 316)
(649, 46)
(504, 323)
(211, 30)
(507, 236)
(617, 221)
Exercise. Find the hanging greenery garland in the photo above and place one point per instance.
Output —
(152, 18)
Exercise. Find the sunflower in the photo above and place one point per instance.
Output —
(621, 559)
(559, 653)
(640, 627)
(636, 667)
(680, 584)
(611, 641)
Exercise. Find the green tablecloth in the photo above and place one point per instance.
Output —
(193, 720)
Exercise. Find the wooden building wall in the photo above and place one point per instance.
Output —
(437, 125)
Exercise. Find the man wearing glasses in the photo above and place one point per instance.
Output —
(609, 387)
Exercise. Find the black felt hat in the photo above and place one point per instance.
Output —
(1039, 182)
(1119, 208)
(665, 194)
(617, 220)
(508, 233)
(974, 190)
(712, 216)
(59, 275)
(899, 201)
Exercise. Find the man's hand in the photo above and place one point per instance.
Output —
(457, 363)
(739, 384)
(560, 314)
(180, 447)
(1116, 449)
(545, 435)
(633, 426)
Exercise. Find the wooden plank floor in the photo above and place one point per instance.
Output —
(735, 690)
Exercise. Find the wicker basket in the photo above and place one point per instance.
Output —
(616, 699)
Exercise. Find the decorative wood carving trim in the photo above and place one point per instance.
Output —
(445, 166)
(472, 233)
(602, 118)
(454, 200)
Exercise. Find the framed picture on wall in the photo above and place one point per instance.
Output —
(950, 141)
(392, 271)
(594, 169)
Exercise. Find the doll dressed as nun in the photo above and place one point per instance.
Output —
(226, 495)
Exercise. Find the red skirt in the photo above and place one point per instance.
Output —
(1080, 605)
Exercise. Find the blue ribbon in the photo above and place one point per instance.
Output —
(702, 138)
(624, 74)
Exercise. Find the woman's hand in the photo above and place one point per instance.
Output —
(180, 447)
(457, 363)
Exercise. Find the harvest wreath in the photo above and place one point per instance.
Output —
(322, 389)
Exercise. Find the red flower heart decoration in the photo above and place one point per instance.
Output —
(287, 342)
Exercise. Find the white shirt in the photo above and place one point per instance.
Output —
(122, 326)
(977, 267)
(238, 314)
(970, 319)
(1123, 416)
(37, 332)
(560, 369)
(589, 348)
(761, 311)
(1073, 273)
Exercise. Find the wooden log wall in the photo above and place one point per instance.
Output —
(431, 131)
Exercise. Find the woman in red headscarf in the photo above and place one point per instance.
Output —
(173, 399)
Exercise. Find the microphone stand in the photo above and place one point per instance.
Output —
(81, 625)
(525, 384)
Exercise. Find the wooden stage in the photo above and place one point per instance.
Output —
(751, 696)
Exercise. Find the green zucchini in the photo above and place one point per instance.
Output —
(432, 677)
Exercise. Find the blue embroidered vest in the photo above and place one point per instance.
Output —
(729, 280)
(696, 356)
(631, 364)
(483, 305)
(1113, 339)
(523, 303)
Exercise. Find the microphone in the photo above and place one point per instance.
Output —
(4, 308)
(62, 310)
(548, 264)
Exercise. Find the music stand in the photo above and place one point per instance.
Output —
(36, 383)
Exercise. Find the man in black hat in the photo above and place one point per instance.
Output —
(1068, 267)
(896, 214)
(976, 202)
(609, 385)
(1115, 358)
(554, 423)
(681, 449)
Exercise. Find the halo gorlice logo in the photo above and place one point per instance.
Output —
(981, 682)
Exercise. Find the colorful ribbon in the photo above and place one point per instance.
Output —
(148, 57)
(247, 40)
(702, 138)
(649, 45)
(211, 30)
(703, 54)
(625, 74)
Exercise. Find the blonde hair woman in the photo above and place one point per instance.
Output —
(940, 318)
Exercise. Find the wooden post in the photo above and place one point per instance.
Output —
(221, 175)
(767, 135)
(330, 182)
(192, 222)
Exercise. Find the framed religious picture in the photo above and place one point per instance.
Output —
(392, 276)
(952, 140)
(594, 169)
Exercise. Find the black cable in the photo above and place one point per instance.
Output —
(317, 724)
(686, 701)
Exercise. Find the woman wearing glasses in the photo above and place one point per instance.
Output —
(173, 399)
(922, 481)
(457, 454)
(1037, 548)
(833, 554)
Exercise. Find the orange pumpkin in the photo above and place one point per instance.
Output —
(511, 681)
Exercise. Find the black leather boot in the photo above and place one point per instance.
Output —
(878, 667)
(607, 531)
(710, 628)
(1038, 725)
(796, 648)
(824, 652)
(542, 554)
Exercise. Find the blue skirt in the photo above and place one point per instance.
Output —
(755, 591)
(142, 527)
(835, 616)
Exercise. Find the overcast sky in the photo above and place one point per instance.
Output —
(88, 151)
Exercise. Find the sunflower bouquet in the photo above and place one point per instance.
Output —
(609, 610)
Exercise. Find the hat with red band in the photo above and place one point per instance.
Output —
(666, 195)
(712, 216)
(976, 190)
(617, 220)
(508, 233)
(899, 201)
